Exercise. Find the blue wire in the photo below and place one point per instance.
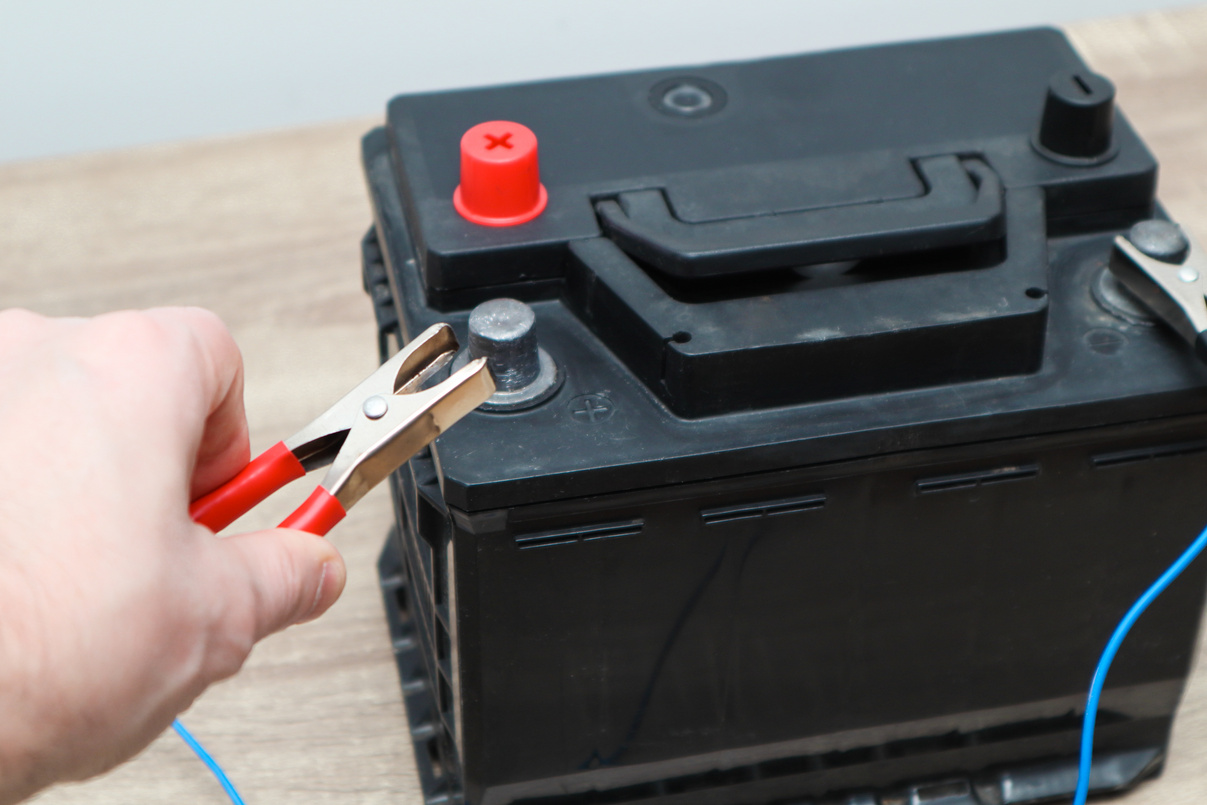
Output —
(208, 760)
(1104, 664)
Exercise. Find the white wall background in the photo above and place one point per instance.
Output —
(78, 75)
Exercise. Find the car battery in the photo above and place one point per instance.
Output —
(828, 452)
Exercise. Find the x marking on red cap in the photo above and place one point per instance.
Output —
(499, 140)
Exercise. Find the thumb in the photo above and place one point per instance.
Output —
(292, 576)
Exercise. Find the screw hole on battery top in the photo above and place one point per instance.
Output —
(687, 97)
(681, 337)
(1036, 293)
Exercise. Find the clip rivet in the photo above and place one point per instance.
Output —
(375, 407)
(1187, 274)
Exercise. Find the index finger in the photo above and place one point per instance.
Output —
(221, 443)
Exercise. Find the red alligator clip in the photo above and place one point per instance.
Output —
(364, 437)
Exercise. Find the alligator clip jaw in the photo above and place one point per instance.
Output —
(398, 379)
(387, 418)
(1174, 286)
(390, 432)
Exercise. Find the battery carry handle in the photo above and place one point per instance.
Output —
(962, 206)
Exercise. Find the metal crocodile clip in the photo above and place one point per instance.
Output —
(1167, 271)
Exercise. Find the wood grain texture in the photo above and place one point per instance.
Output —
(265, 231)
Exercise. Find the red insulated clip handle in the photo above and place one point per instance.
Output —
(317, 515)
(267, 472)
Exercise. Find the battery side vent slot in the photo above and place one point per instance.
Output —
(1149, 453)
(589, 533)
(771, 508)
(971, 480)
(950, 792)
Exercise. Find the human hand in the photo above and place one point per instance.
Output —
(116, 610)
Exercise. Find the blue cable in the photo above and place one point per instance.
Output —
(208, 760)
(1112, 646)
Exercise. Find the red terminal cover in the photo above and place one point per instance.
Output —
(500, 175)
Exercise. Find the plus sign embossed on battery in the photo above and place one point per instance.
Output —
(591, 408)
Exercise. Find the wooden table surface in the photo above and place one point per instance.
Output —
(265, 230)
